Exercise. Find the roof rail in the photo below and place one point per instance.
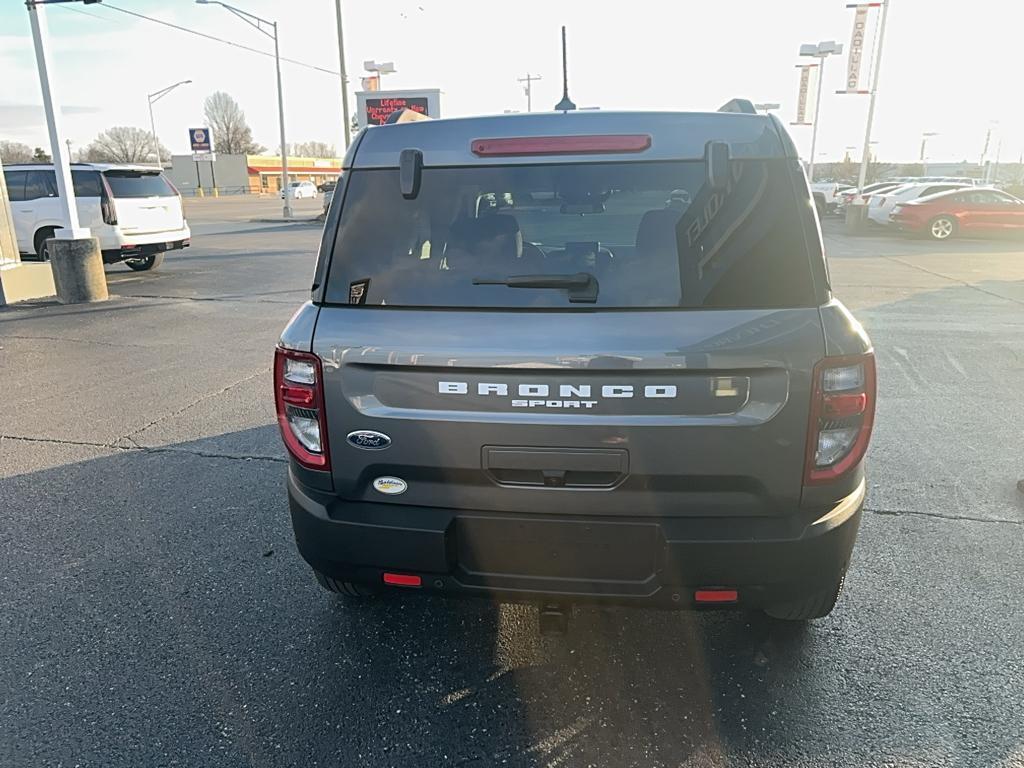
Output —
(742, 106)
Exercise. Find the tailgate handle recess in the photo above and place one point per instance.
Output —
(556, 467)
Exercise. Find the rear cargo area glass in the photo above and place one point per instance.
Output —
(653, 235)
(133, 184)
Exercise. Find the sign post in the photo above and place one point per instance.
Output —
(202, 152)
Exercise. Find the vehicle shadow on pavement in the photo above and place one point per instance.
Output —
(155, 597)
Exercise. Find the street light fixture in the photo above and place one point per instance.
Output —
(766, 107)
(924, 143)
(257, 23)
(820, 51)
(153, 98)
(384, 68)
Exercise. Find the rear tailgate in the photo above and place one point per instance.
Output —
(145, 202)
(690, 413)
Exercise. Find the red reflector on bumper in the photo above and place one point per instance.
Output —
(402, 580)
(716, 595)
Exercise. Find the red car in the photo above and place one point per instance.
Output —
(971, 211)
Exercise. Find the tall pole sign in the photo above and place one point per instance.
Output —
(802, 115)
(853, 69)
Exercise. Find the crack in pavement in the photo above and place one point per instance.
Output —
(953, 279)
(135, 447)
(941, 516)
(3, 337)
(203, 298)
(197, 401)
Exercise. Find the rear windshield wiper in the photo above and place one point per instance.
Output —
(582, 286)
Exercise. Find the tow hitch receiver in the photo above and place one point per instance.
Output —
(554, 619)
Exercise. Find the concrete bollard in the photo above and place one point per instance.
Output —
(856, 218)
(78, 270)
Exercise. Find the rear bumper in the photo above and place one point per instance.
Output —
(143, 245)
(519, 557)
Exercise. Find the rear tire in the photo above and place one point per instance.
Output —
(344, 588)
(41, 246)
(146, 263)
(817, 606)
(941, 227)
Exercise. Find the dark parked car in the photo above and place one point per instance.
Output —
(973, 211)
(532, 368)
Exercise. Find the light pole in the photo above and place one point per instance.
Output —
(153, 98)
(346, 132)
(820, 51)
(61, 161)
(924, 144)
(257, 23)
(766, 108)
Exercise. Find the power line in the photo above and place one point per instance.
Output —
(203, 34)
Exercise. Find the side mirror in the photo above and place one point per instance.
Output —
(716, 165)
(410, 172)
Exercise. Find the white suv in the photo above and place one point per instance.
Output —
(300, 189)
(134, 210)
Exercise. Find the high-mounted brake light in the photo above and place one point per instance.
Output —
(299, 398)
(561, 145)
(842, 414)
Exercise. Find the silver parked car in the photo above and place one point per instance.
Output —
(581, 356)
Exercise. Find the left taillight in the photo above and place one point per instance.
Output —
(299, 397)
(842, 415)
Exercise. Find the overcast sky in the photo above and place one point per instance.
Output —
(949, 67)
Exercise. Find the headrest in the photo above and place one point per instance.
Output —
(490, 237)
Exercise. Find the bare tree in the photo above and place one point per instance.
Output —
(122, 144)
(311, 149)
(231, 134)
(15, 152)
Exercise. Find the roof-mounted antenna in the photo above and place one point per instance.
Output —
(566, 103)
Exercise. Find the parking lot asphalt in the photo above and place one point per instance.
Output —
(154, 611)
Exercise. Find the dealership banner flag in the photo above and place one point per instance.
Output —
(804, 104)
(853, 65)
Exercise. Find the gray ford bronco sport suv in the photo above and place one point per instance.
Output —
(580, 356)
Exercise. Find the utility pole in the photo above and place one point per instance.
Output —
(528, 90)
(346, 131)
(865, 161)
(68, 142)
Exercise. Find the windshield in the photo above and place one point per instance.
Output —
(138, 184)
(651, 234)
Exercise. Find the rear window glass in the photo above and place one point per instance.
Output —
(649, 234)
(132, 184)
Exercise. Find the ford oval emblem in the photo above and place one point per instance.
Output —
(369, 440)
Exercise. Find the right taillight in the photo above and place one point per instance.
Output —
(842, 414)
(299, 397)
